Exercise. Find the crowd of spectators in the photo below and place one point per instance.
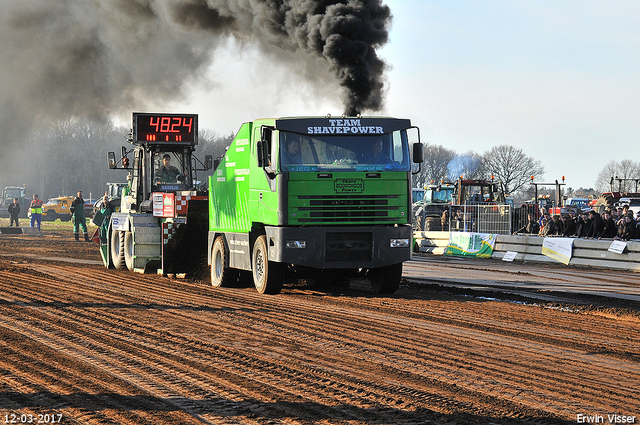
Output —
(614, 223)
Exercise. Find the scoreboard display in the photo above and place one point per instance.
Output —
(165, 128)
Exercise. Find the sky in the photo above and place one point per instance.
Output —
(557, 79)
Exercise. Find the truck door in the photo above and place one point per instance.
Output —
(265, 184)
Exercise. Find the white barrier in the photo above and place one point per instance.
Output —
(586, 252)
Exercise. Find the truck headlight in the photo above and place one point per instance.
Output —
(399, 243)
(296, 244)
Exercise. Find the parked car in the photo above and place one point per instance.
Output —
(57, 208)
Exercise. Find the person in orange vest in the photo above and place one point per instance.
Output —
(36, 211)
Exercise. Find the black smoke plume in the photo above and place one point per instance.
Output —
(97, 58)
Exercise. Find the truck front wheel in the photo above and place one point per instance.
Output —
(221, 276)
(385, 280)
(268, 275)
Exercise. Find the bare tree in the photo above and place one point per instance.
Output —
(435, 165)
(623, 176)
(511, 166)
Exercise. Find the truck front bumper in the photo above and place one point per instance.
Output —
(340, 247)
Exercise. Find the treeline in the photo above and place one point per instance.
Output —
(506, 163)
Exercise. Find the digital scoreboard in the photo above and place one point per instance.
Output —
(165, 128)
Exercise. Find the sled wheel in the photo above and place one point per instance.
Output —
(128, 249)
(117, 249)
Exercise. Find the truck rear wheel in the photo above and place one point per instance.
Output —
(117, 249)
(385, 280)
(221, 276)
(268, 275)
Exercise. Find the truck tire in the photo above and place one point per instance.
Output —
(127, 247)
(221, 275)
(268, 276)
(117, 249)
(385, 280)
(433, 224)
(419, 223)
(51, 216)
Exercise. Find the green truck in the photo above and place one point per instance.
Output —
(317, 198)
(313, 197)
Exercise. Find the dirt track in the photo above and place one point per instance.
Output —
(103, 346)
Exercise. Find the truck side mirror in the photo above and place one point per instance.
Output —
(208, 162)
(418, 153)
(216, 163)
(111, 158)
(418, 156)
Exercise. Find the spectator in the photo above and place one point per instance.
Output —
(596, 225)
(582, 226)
(548, 226)
(609, 230)
(14, 212)
(459, 220)
(620, 216)
(568, 226)
(557, 223)
(36, 211)
(627, 230)
(444, 219)
(543, 211)
(77, 216)
(532, 226)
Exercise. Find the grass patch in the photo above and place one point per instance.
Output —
(50, 226)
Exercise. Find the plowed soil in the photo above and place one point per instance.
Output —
(83, 344)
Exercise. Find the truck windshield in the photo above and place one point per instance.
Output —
(356, 153)
(170, 171)
(13, 193)
(442, 195)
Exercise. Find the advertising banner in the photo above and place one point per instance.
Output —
(560, 249)
(465, 244)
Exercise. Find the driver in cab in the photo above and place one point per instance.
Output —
(167, 173)
(377, 156)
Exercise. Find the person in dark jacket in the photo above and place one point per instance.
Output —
(597, 225)
(627, 228)
(568, 226)
(610, 230)
(548, 226)
(582, 226)
(532, 226)
(77, 216)
(14, 212)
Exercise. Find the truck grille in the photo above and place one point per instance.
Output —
(349, 246)
(352, 208)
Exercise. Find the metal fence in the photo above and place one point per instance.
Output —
(481, 218)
